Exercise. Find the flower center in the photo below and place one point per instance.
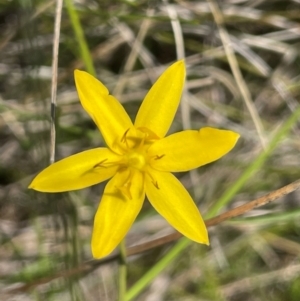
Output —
(134, 159)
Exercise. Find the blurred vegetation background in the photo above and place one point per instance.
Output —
(243, 68)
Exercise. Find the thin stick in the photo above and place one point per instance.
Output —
(272, 196)
(58, 12)
(93, 264)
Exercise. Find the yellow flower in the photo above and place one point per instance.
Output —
(139, 160)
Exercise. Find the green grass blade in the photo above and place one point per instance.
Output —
(140, 285)
(267, 218)
(79, 34)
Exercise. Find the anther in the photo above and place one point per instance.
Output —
(124, 138)
(155, 184)
(125, 190)
(157, 157)
(100, 164)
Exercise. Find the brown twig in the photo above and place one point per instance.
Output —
(90, 265)
(268, 198)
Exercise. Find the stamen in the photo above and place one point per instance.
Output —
(100, 164)
(149, 134)
(141, 143)
(125, 190)
(124, 137)
(157, 157)
(155, 184)
(153, 181)
(133, 139)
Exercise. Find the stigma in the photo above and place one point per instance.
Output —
(137, 160)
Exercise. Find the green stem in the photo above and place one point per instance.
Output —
(122, 272)
(159, 267)
(84, 50)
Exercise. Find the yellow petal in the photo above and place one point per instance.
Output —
(122, 201)
(190, 149)
(108, 114)
(160, 104)
(76, 172)
(173, 202)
